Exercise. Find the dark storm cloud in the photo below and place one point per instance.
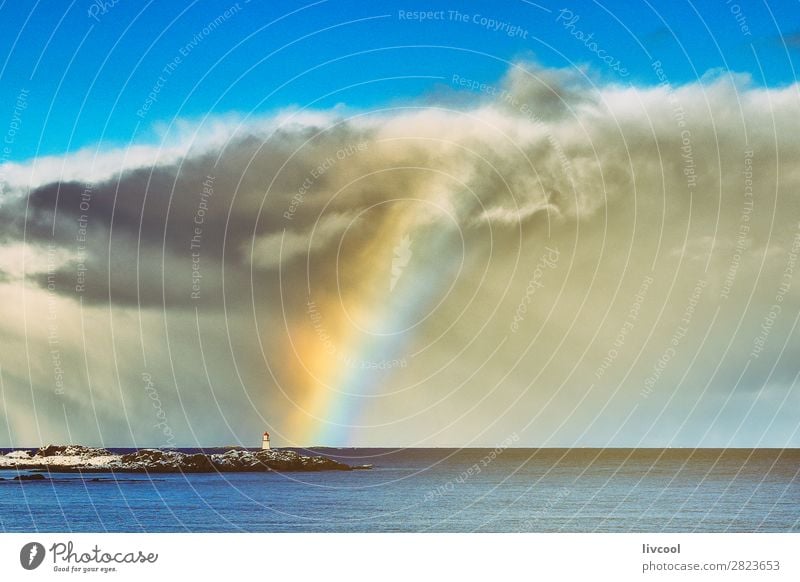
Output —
(626, 182)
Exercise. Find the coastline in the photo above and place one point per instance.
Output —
(79, 458)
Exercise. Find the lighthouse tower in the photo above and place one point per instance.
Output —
(265, 442)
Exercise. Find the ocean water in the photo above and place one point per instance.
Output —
(439, 490)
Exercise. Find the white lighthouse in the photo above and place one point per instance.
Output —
(265, 442)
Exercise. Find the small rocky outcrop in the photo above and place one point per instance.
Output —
(77, 458)
(237, 461)
(34, 477)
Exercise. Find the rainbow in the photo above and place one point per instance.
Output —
(345, 342)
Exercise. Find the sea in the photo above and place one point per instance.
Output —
(433, 490)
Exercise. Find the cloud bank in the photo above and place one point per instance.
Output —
(245, 266)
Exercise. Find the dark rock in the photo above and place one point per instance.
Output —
(198, 463)
(35, 477)
(149, 456)
(172, 461)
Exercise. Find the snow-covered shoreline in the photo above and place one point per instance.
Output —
(77, 458)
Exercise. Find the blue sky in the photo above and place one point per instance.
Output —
(88, 76)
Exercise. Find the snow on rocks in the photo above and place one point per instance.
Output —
(76, 458)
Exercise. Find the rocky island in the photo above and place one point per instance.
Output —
(78, 458)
